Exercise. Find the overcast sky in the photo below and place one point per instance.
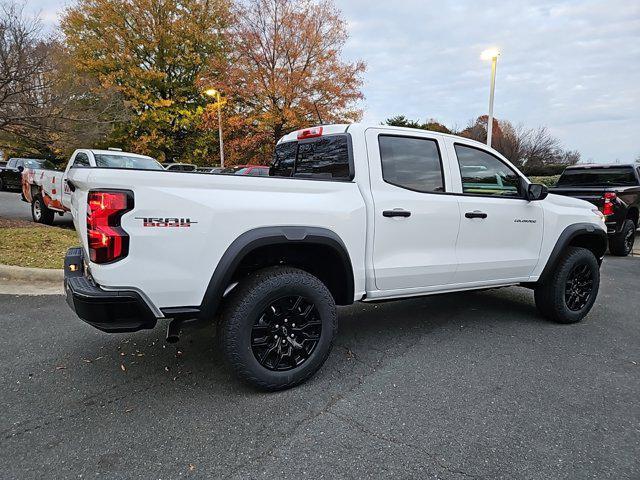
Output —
(573, 66)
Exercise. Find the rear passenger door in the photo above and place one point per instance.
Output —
(415, 222)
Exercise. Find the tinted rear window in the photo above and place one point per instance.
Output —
(595, 177)
(325, 157)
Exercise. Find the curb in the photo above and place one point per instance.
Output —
(24, 274)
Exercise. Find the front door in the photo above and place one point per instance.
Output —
(415, 222)
(500, 232)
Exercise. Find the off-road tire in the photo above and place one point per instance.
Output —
(619, 243)
(247, 303)
(551, 295)
(2, 185)
(40, 212)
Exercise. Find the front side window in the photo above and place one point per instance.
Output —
(412, 163)
(484, 174)
(81, 160)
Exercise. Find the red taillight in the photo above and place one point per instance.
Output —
(607, 207)
(310, 133)
(108, 242)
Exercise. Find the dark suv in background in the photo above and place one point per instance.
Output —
(615, 190)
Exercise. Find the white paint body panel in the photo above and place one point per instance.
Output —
(435, 250)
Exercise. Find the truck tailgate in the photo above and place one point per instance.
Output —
(592, 195)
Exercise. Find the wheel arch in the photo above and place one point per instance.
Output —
(301, 247)
(583, 235)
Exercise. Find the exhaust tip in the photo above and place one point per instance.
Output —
(173, 332)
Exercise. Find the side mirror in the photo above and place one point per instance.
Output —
(537, 191)
(20, 169)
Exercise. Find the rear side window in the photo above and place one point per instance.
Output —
(412, 163)
(484, 174)
(325, 158)
(594, 177)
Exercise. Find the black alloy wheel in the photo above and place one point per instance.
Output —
(277, 327)
(286, 333)
(578, 287)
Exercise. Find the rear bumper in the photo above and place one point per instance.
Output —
(109, 311)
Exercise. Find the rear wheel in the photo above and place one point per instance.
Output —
(621, 244)
(570, 292)
(278, 327)
(40, 212)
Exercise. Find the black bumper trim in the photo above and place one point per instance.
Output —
(109, 311)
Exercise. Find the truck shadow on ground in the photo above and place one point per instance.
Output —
(366, 332)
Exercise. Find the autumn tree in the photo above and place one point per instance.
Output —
(154, 53)
(432, 124)
(535, 150)
(284, 72)
(46, 107)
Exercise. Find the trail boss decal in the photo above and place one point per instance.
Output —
(518, 220)
(166, 222)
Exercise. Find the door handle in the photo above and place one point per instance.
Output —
(475, 214)
(396, 213)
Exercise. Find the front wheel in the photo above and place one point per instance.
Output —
(40, 212)
(278, 327)
(570, 292)
(621, 244)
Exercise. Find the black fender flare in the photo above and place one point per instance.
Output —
(261, 237)
(565, 239)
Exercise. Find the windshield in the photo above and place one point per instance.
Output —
(34, 164)
(595, 177)
(104, 160)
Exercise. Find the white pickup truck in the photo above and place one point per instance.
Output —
(349, 213)
(47, 190)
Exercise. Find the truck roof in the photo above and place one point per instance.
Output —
(114, 152)
(343, 128)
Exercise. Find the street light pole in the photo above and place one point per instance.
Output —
(220, 131)
(212, 92)
(492, 54)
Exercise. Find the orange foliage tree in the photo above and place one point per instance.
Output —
(284, 71)
(153, 52)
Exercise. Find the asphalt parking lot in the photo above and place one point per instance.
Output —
(471, 385)
(11, 206)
